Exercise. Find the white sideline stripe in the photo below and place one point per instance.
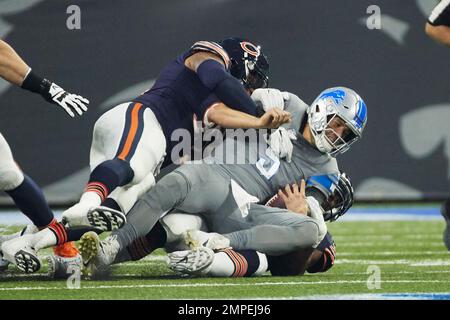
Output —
(343, 238)
(411, 263)
(390, 244)
(389, 253)
(199, 285)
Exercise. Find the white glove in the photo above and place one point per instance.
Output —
(316, 213)
(280, 143)
(270, 98)
(68, 101)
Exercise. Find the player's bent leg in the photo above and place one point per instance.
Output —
(274, 231)
(97, 255)
(140, 152)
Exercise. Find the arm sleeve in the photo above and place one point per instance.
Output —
(201, 111)
(228, 89)
(440, 14)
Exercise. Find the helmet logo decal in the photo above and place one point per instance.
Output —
(250, 48)
(337, 95)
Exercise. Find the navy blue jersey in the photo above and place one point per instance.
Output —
(178, 96)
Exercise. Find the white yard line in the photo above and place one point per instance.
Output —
(200, 285)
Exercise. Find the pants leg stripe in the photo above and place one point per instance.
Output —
(134, 126)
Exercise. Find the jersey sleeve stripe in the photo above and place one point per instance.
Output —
(437, 11)
(213, 48)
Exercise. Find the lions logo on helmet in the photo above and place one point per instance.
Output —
(337, 105)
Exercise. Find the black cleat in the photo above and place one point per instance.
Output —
(27, 262)
(106, 219)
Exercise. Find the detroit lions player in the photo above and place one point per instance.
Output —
(229, 196)
(170, 230)
(27, 196)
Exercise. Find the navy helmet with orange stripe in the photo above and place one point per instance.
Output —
(248, 63)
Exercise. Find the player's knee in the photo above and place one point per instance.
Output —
(117, 170)
(170, 191)
(10, 177)
(307, 234)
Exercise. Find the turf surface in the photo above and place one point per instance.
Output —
(409, 257)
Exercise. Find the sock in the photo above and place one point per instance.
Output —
(242, 263)
(108, 175)
(111, 203)
(31, 201)
(143, 246)
(54, 234)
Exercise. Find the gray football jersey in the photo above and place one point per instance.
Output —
(263, 174)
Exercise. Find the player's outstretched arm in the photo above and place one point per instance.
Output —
(438, 33)
(229, 118)
(212, 73)
(13, 69)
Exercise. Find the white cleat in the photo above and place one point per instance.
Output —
(194, 262)
(97, 255)
(196, 239)
(106, 219)
(20, 252)
(76, 215)
(62, 267)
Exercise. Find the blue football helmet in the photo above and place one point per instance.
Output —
(248, 63)
(332, 103)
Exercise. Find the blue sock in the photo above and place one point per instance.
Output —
(29, 198)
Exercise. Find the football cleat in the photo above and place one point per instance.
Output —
(62, 267)
(20, 252)
(195, 262)
(3, 263)
(76, 216)
(195, 239)
(106, 219)
(97, 255)
(445, 211)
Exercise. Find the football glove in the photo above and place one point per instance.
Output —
(270, 98)
(280, 143)
(68, 101)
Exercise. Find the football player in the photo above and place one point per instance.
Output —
(170, 232)
(230, 197)
(25, 193)
(131, 141)
(438, 24)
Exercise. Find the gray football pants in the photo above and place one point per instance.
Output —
(198, 189)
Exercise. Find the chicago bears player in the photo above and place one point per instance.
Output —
(27, 196)
(438, 24)
(229, 196)
(131, 141)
